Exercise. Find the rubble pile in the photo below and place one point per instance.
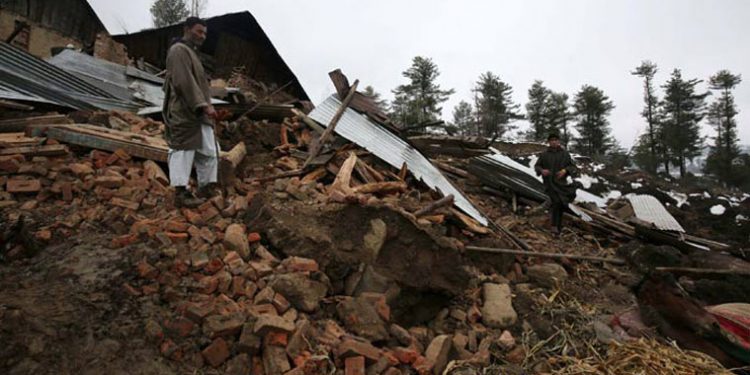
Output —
(321, 257)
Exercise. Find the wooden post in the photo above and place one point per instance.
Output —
(328, 133)
(442, 202)
(230, 161)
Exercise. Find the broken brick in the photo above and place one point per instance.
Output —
(297, 264)
(147, 271)
(181, 327)
(119, 202)
(223, 325)
(269, 323)
(249, 342)
(109, 182)
(354, 366)
(216, 353)
(23, 186)
(253, 237)
(177, 238)
(351, 348)
(177, 226)
(276, 339)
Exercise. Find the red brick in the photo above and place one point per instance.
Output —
(198, 311)
(177, 237)
(193, 231)
(23, 186)
(260, 310)
(44, 235)
(67, 191)
(253, 237)
(406, 356)
(423, 366)
(180, 267)
(257, 366)
(208, 235)
(122, 154)
(277, 339)
(351, 348)
(177, 226)
(393, 371)
(147, 271)
(169, 349)
(297, 264)
(281, 303)
(208, 285)
(182, 327)
(110, 182)
(11, 163)
(193, 217)
(354, 366)
(209, 213)
(80, 169)
(214, 266)
(119, 202)
(216, 353)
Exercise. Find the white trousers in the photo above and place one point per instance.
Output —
(205, 158)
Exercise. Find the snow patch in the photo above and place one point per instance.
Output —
(718, 210)
(583, 196)
(741, 217)
(636, 185)
(679, 197)
(512, 163)
(587, 180)
(706, 195)
(597, 167)
(614, 194)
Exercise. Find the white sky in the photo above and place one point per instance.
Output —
(564, 43)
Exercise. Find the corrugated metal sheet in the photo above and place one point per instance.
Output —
(123, 82)
(391, 149)
(650, 210)
(22, 74)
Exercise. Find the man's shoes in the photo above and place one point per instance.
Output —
(183, 198)
(208, 191)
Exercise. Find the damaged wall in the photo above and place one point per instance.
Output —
(233, 40)
(51, 24)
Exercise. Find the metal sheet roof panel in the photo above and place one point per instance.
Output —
(391, 149)
(649, 209)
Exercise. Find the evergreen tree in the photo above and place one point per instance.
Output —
(463, 119)
(721, 115)
(168, 12)
(591, 108)
(683, 109)
(558, 115)
(537, 111)
(649, 161)
(494, 106)
(418, 102)
(376, 98)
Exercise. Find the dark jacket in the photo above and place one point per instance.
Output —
(186, 93)
(557, 159)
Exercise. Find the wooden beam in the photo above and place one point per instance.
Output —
(545, 255)
(95, 137)
(308, 121)
(328, 133)
(450, 169)
(230, 161)
(446, 201)
(47, 150)
(701, 271)
(16, 106)
(20, 124)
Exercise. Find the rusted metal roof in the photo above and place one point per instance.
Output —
(647, 208)
(393, 150)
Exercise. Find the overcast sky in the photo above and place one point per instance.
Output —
(564, 43)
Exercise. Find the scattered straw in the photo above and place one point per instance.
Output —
(643, 357)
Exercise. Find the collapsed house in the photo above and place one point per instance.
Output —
(336, 244)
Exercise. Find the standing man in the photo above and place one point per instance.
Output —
(555, 165)
(189, 116)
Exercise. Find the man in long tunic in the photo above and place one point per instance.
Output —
(189, 115)
(555, 165)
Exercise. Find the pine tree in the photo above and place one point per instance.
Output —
(683, 109)
(537, 111)
(494, 106)
(168, 12)
(418, 102)
(650, 161)
(376, 98)
(463, 119)
(558, 115)
(591, 108)
(721, 115)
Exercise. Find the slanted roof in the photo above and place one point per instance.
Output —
(233, 40)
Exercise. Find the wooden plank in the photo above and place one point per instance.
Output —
(18, 140)
(47, 150)
(20, 124)
(107, 142)
(16, 106)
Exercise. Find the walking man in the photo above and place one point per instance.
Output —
(189, 116)
(555, 165)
